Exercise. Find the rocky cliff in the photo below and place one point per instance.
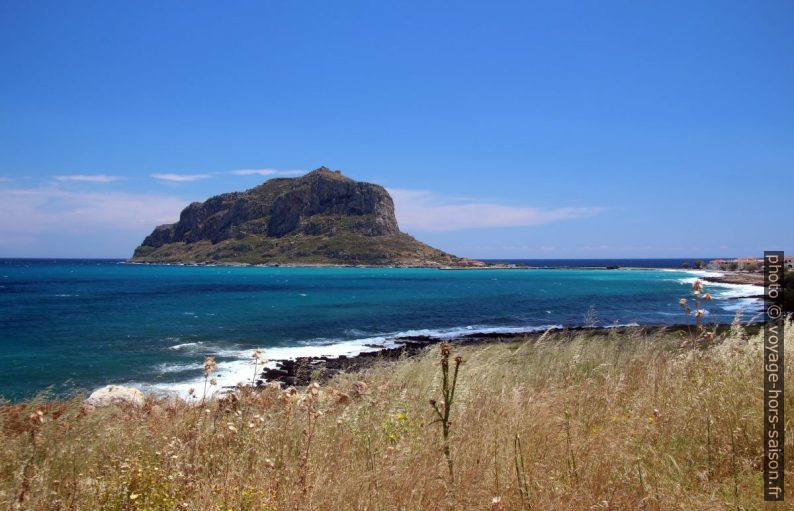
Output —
(322, 217)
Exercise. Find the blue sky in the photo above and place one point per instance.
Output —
(503, 129)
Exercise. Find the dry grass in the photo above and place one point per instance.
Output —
(572, 421)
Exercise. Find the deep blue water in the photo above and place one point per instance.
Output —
(603, 263)
(74, 325)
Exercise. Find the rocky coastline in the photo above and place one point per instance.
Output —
(304, 370)
(744, 278)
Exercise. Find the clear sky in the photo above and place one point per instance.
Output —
(502, 129)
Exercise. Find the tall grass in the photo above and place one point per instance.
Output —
(570, 420)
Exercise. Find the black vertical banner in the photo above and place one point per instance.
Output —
(774, 418)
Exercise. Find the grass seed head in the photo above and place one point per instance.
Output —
(209, 365)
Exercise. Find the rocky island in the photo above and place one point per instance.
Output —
(321, 218)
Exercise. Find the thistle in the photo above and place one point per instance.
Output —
(448, 394)
(259, 358)
(209, 367)
(698, 312)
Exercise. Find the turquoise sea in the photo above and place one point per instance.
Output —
(72, 325)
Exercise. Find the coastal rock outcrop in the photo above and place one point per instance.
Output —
(114, 395)
(322, 217)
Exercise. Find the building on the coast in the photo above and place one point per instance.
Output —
(740, 263)
(471, 263)
(717, 264)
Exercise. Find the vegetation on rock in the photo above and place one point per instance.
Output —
(320, 218)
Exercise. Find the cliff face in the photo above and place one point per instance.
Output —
(322, 217)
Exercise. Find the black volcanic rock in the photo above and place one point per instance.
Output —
(322, 217)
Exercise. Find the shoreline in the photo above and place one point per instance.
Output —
(302, 371)
(515, 400)
(740, 278)
(724, 277)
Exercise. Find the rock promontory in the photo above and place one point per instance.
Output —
(322, 217)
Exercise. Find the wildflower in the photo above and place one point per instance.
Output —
(258, 357)
(708, 296)
(191, 391)
(359, 388)
(697, 285)
(289, 395)
(682, 302)
(37, 418)
(213, 381)
(496, 501)
(134, 496)
(231, 427)
(699, 313)
(209, 365)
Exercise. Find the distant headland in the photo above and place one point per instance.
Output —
(321, 218)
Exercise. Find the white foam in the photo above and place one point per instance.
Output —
(727, 290)
(178, 368)
(451, 333)
(697, 273)
(228, 374)
(177, 347)
(745, 304)
(235, 365)
(621, 325)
